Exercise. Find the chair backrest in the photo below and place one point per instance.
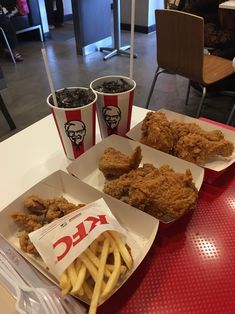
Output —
(180, 43)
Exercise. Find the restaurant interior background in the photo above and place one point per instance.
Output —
(27, 85)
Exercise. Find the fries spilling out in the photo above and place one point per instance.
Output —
(95, 274)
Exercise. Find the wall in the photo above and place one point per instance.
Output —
(67, 7)
(144, 14)
(153, 5)
(141, 12)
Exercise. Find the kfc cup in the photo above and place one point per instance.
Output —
(75, 119)
(114, 103)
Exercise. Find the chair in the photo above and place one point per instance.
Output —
(7, 44)
(231, 115)
(180, 50)
(3, 107)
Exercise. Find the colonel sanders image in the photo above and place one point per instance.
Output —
(112, 116)
(76, 131)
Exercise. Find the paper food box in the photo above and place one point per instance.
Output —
(215, 164)
(86, 167)
(139, 229)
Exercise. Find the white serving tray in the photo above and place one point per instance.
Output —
(141, 227)
(86, 166)
(217, 163)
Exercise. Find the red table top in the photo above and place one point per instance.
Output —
(191, 266)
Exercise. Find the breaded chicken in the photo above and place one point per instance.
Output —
(35, 205)
(184, 140)
(27, 221)
(44, 211)
(113, 163)
(180, 129)
(157, 191)
(121, 190)
(197, 149)
(156, 132)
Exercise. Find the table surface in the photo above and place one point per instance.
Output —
(191, 265)
(228, 5)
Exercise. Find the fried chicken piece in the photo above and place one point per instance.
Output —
(49, 210)
(59, 207)
(156, 191)
(28, 222)
(113, 163)
(180, 129)
(119, 188)
(35, 205)
(156, 132)
(26, 245)
(197, 148)
(184, 140)
(164, 192)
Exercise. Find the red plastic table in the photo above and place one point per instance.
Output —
(191, 265)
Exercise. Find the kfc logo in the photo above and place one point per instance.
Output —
(67, 242)
(76, 131)
(112, 116)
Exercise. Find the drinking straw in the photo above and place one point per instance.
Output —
(132, 37)
(44, 55)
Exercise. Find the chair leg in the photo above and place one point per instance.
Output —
(40, 33)
(201, 102)
(8, 46)
(231, 115)
(153, 85)
(187, 95)
(6, 114)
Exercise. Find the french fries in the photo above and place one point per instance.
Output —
(96, 272)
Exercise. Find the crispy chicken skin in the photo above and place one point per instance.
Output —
(156, 132)
(117, 190)
(38, 213)
(180, 129)
(157, 191)
(197, 149)
(184, 140)
(113, 163)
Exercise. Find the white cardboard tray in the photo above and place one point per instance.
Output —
(86, 166)
(216, 164)
(141, 227)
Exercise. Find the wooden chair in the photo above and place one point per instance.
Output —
(180, 50)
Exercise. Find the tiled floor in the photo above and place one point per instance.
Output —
(28, 86)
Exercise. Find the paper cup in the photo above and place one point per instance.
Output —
(114, 110)
(76, 126)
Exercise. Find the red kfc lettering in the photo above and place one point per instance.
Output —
(101, 220)
(68, 243)
(80, 234)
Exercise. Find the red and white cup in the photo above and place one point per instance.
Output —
(114, 110)
(76, 126)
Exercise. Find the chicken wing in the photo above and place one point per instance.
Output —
(197, 148)
(180, 129)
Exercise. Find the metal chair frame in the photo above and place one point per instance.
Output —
(8, 46)
(6, 114)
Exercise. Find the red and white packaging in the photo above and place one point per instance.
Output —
(114, 110)
(76, 126)
(63, 240)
